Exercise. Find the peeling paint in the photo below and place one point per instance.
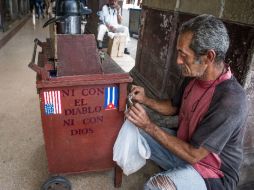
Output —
(164, 52)
(166, 21)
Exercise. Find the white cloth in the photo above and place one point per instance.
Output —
(108, 16)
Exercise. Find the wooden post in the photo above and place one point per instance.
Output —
(118, 176)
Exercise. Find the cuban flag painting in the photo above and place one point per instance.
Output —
(111, 97)
(52, 101)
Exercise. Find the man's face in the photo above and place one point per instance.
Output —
(112, 3)
(190, 64)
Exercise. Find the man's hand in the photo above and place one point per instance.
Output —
(117, 8)
(138, 94)
(162, 106)
(137, 115)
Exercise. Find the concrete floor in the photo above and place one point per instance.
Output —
(23, 163)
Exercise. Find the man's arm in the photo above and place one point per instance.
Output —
(164, 107)
(119, 17)
(183, 150)
(178, 147)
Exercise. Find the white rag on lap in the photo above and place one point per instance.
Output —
(131, 149)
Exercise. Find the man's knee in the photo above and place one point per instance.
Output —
(126, 29)
(102, 27)
(160, 182)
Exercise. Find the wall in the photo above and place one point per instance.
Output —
(234, 10)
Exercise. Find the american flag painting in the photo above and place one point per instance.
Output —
(111, 97)
(52, 101)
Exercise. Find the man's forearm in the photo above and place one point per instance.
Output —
(162, 106)
(119, 18)
(178, 147)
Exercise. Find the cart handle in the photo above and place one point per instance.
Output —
(39, 70)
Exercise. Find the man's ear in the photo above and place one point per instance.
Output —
(210, 55)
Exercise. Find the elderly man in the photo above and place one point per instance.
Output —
(206, 151)
(111, 22)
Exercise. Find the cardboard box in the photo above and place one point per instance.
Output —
(116, 45)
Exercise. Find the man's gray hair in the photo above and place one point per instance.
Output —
(208, 33)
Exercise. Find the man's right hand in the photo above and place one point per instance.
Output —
(117, 7)
(162, 106)
(138, 94)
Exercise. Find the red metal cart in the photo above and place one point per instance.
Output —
(81, 114)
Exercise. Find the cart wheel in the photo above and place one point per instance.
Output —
(56, 183)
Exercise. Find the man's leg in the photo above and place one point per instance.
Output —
(179, 175)
(181, 178)
(37, 10)
(124, 30)
(159, 182)
(102, 29)
(41, 10)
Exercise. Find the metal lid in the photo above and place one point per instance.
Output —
(68, 7)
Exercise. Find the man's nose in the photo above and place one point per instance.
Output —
(179, 60)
